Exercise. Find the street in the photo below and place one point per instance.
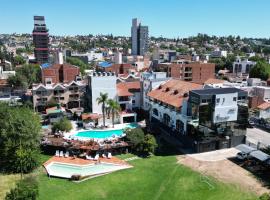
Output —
(255, 135)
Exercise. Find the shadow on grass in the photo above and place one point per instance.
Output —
(166, 149)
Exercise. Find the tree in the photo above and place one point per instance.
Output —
(19, 60)
(20, 139)
(77, 62)
(135, 137)
(62, 125)
(25, 76)
(102, 99)
(260, 70)
(114, 108)
(149, 145)
(26, 188)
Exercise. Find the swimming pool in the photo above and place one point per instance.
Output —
(103, 134)
(67, 170)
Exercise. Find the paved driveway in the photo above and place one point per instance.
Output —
(255, 135)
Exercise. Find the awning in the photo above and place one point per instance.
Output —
(260, 155)
(245, 148)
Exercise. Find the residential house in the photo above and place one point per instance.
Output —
(242, 66)
(264, 110)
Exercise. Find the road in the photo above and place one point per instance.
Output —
(255, 135)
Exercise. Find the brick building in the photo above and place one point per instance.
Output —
(59, 73)
(196, 72)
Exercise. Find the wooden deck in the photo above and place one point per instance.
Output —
(81, 161)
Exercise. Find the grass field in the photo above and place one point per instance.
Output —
(154, 178)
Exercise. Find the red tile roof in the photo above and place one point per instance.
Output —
(123, 88)
(173, 92)
(264, 106)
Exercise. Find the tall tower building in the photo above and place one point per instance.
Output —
(139, 37)
(41, 40)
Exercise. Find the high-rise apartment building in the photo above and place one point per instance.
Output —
(139, 37)
(41, 40)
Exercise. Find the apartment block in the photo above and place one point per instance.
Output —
(68, 95)
(196, 72)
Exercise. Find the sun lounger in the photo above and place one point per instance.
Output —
(96, 157)
(109, 155)
(89, 157)
(104, 156)
(57, 153)
(67, 154)
(61, 154)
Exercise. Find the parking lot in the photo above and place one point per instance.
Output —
(221, 166)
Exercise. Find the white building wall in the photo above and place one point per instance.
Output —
(243, 65)
(226, 109)
(104, 84)
(265, 114)
(172, 113)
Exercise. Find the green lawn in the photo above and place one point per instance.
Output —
(154, 178)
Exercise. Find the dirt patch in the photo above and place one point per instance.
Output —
(225, 171)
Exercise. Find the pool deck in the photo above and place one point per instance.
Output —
(81, 161)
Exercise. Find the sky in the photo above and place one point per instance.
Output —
(167, 18)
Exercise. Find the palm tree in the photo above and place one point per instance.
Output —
(114, 108)
(102, 99)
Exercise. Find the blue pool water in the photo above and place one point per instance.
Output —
(103, 134)
(99, 134)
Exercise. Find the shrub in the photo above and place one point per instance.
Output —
(62, 125)
(149, 145)
(26, 188)
(264, 196)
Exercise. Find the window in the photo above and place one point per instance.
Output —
(38, 92)
(234, 98)
(179, 125)
(204, 101)
(62, 98)
(155, 111)
(217, 100)
(133, 101)
(166, 119)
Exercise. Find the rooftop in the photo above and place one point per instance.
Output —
(173, 92)
(123, 88)
(264, 106)
(214, 81)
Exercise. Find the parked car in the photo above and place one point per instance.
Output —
(242, 156)
(251, 124)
